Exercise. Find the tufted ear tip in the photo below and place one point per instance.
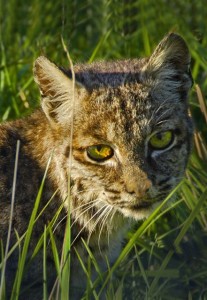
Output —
(167, 70)
(39, 61)
(170, 62)
(172, 51)
(44, 71)
(57, 90)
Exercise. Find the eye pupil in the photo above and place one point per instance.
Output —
(161, 140)
(99, 148)
(159, 135)
(99, 152)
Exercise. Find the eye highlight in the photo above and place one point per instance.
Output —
(100, 152)
(161, 140)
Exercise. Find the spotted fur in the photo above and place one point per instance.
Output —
(120, 104)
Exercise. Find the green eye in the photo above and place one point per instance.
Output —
(100, 152)
(161, 140)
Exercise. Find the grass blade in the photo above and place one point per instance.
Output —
(10, 219)
(22, 260)
(177, 241)
(45, 265)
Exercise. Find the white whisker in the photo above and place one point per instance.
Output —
(155, 113)
(90, 206)
(58, 224)
(111, 219)
(82, 205)
(103, 222)
(98, 211)
(97, 220)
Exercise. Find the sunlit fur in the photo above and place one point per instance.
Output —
(120, 104)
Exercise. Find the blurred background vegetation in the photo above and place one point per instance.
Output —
(169, 259)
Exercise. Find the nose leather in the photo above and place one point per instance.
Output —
(137, 183)
(139, 189)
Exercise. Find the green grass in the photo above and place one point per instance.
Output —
(165, 256)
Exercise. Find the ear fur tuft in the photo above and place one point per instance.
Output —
(169, 65)
(173, 51)
(56, 90)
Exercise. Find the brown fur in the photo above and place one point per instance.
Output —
(120, 104)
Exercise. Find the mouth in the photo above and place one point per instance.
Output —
(139, 211)
(142, 205)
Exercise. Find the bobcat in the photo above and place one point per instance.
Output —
(120, 133)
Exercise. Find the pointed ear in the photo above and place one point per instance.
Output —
(56, 90)
(169, 65)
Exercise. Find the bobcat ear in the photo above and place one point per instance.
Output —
(169, 65)
(56, 90)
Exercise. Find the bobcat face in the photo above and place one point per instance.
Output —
(131, 129)
(128, 157)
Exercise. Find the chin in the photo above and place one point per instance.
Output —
(139, 213)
